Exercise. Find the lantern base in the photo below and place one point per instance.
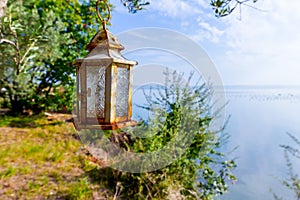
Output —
(99, 126)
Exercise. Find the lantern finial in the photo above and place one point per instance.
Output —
(103, 21)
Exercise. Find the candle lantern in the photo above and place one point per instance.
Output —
(104, 84)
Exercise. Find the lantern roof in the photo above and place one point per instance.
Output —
(104, 46)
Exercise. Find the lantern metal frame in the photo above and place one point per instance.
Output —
(108, 64)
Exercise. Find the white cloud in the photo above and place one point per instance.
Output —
(265, 45)
(174, 8)
(170, 8)
(201, 3)
(207, 32)
(262, 48)
(179, 8)
(194, 17)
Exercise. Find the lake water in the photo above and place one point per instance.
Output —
(260, 119)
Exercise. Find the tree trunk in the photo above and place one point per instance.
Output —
(17, 107)
(2, 7)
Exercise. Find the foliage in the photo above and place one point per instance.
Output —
(180, 113)
(223, 8)
(134, 5)
(81, 190)
(293, 180)
(39, 41)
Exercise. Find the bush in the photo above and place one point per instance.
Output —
(293, 180)
(182, 114)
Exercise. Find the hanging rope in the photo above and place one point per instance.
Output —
(102, 19)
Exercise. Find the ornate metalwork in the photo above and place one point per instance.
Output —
(103, 21)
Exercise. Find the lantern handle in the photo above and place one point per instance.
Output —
(103, 21)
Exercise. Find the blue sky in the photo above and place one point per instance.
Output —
(254, 48)
(261, 49)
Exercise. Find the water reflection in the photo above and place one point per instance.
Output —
(260, 118)
(291, 94)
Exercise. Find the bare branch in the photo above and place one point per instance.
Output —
(255, 8)
(224, 8)
(25, 55)
(9, 42)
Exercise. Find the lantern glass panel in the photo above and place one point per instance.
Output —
(78, 99)
(122, 91)
(95, 91)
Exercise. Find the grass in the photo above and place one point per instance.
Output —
(9, 172)
(41, 159)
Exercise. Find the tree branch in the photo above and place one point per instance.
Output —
(25, 54)
(224, 8)
(16, 47)
(2, 7)
(9, 42)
